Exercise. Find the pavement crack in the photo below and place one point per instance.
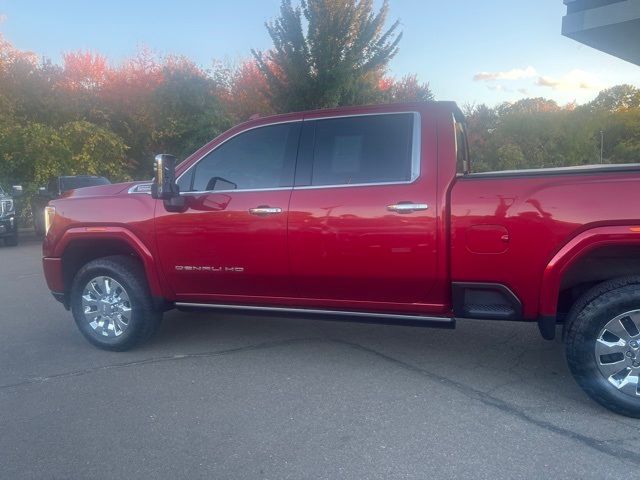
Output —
(607, 447)
(154, 360)
(602, 446)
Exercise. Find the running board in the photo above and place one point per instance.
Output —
(333, 315)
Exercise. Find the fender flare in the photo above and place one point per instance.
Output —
(116, 233)
(572, 251)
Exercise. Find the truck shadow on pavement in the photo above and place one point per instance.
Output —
(498, 357)
(501, 365)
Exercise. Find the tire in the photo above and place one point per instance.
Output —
(126, 281)
(11, 241)
(605, 309)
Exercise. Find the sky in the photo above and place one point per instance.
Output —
(469, 51)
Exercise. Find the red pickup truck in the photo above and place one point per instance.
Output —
(368, 214)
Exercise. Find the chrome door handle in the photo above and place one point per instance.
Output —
(407, 207)
(264, 210)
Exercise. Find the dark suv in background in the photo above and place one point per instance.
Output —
(8, 217)
(56, 186)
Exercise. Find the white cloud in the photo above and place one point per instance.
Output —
(514, 74)
(573, 80)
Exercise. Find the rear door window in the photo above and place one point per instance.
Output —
(363, 150)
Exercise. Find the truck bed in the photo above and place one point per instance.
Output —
(530, 172)
(507, 226)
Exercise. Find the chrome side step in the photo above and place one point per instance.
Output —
(334, 315)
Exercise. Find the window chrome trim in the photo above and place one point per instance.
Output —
(416, 155)
(239, 190)
(344, 185)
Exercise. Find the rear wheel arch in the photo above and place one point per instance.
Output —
(597, 266)
(592, 257)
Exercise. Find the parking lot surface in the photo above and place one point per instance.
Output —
(228, 396)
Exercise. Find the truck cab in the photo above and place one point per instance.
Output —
(365, 214)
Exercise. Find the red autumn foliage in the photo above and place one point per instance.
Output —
(136, 78)
(83, 71)
(246, 92)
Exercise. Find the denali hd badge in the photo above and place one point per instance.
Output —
(194, 268)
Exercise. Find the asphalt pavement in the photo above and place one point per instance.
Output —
(232, 397)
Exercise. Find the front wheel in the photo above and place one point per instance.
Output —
(603, 344)
(111, 303)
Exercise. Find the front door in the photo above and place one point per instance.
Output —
(231, 242)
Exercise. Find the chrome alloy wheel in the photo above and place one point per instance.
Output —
(617, 352)
(106, 306)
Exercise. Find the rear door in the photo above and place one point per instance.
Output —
(362, 216)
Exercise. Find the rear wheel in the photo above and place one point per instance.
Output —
(111, 304)
(603, 344)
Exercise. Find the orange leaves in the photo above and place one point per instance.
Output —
(245, 92)
(84, 71)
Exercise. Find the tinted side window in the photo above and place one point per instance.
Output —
(367, 149)
(260, 158)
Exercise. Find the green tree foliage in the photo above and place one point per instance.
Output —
(614, 99)
(338, 60)
(536, 133)
(406, 89)
(186, 108)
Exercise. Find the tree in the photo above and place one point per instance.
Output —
(243, 90)
(407, 89)
(342, 54)
(620, 97)
(84, 71)
(187, 111)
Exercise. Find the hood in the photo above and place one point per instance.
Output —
(101, 190)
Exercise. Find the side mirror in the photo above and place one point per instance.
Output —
(17, 191)
(164, 184)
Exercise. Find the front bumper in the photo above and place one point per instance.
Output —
(54, 277)
(53, 274)
(8, 226)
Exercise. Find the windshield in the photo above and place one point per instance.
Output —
(72, 183)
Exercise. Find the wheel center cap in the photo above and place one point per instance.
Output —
(106, 308)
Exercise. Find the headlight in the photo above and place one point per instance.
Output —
(49, 214)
